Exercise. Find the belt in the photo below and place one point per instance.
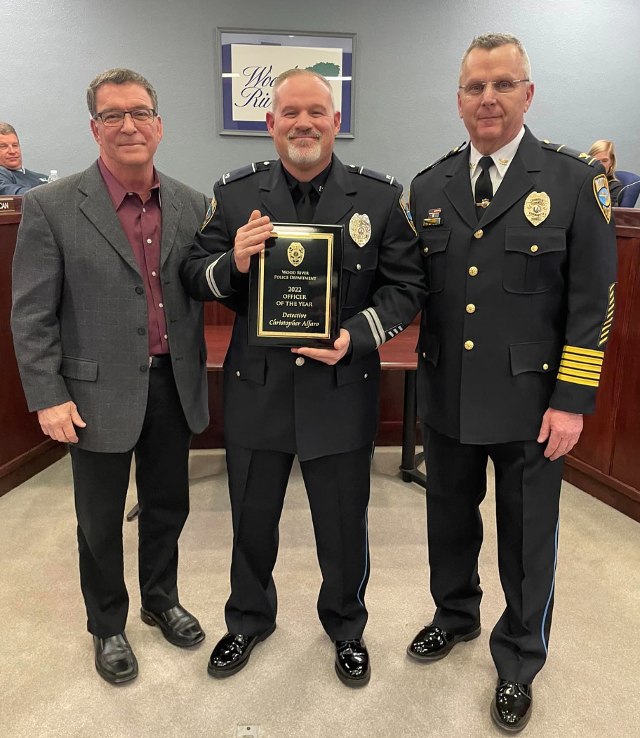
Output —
(155, 362)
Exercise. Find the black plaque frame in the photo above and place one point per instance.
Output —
(323, 253)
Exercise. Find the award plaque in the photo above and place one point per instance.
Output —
(294, 293)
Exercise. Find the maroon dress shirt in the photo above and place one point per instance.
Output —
(142, 225)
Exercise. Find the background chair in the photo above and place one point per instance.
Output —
(628, 196)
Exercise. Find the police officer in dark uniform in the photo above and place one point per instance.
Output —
(321, 404)
(519, 250)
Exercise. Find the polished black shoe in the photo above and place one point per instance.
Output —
(115, 661)
(178, 626)
(511, 707)
(232, 652)
(433, 643)
(352, 663)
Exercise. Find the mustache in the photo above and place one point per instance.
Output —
(299, 133)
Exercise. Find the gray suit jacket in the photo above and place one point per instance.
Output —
(79, 300)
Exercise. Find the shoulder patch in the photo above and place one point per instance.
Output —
(453, 152)
(561, 148)
(355, 169)
(210, 213)
(257, 166)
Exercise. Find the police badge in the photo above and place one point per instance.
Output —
(360, 229)
(601, 191)
(537, 207)
(295, 253)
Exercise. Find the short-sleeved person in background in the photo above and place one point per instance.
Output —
(14, 178)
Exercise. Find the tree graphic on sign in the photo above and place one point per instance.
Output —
(326, 69)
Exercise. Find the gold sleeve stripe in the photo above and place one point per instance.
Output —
(579, 372)
(584, 351)
(595, 371)
(580, 358)
(608, 318)
(575, 380)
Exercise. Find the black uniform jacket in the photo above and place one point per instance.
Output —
(518, 314)
(315, 409)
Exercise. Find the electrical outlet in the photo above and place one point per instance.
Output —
(248, 731)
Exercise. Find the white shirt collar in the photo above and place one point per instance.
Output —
(501, 158)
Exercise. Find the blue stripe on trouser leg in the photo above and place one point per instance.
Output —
(366, 553)
(553, 585)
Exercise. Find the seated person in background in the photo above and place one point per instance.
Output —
(14, 178)
(603, 151)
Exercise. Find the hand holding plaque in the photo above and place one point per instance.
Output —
(294, 293)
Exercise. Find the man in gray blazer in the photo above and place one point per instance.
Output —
(112, 357)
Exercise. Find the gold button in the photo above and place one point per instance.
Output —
(534, 248)
(237, 374)
(300, 361)
(366, 376)
(358, 267)
(473, 271)
(545, 367)
(468, 345)
(425, 249)
(165, 336)
(471, 308)
(424, 355)
(479, 234)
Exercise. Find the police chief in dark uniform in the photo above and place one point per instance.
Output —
(518, 246)
(321, 404)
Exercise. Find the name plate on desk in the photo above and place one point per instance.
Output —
(294, 293)
(8, 205)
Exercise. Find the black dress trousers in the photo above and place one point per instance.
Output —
(338, 491)
(527, 501)
(162, 480)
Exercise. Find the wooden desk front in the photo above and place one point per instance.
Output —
(24, 450)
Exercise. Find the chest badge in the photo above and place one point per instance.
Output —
(295, 253)
(360, 229)
(537, 207)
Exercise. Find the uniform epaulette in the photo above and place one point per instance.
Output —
(453, 152)
(355, 169)
(586, 158)
(257, 166)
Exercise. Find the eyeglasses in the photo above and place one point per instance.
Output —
(503, 86)
(115, 118)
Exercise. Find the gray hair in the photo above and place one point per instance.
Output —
(282, 78)
(6, 129)
(118, 77)
(495, 40)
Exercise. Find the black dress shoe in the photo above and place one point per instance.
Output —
(115, 661)
(178, 626)
(433, 643)
(511, 707)
(232, 652)
(352, 663)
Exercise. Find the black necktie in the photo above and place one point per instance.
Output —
(484, 188)
(304, 208)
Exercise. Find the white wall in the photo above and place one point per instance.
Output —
(585, 56)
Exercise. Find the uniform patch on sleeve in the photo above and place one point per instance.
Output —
(210, 213)
(608, 318)
(603, 198)
(407, 214)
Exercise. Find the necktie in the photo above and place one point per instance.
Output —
(304, 208)
(484, 188)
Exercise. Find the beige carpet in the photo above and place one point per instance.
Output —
(48, 686)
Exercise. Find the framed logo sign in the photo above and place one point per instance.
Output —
(249, 62)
